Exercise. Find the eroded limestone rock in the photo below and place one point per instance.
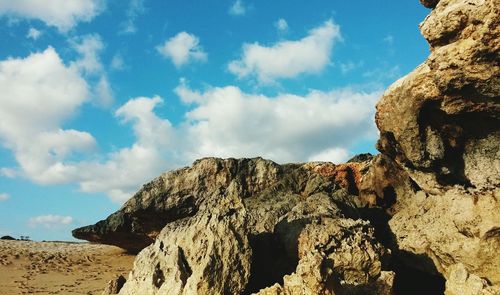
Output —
(204, 254)
(441, 124)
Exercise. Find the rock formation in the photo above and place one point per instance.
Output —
(420, 218)
(447, 139)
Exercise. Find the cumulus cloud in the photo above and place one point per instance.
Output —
(49, 221)
(38, 94)
(135, 9)
(33, 34)
(62, 14)
(130, 167)
(237, 9)
(288, 59)
(4, 197)
(226, 122)
(182, 49)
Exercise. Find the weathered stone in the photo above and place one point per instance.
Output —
(441, 124)
(114, 285)
(449, 104)
(204, 254)
(182, 193)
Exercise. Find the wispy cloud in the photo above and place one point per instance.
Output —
(389, 39)
(281, 25)
(347, 67)
(4, 197)
(49, 221)
(135, 9)
(117, 62)
(34, 34)
(238, 8)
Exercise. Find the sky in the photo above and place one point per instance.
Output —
(98, 97)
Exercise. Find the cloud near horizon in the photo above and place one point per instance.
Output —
(49, 221)
(288, 59)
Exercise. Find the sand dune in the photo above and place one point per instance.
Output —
(28, 267)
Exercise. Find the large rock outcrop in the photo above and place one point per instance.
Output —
(441, 124)
(420, 218)
(268, 190)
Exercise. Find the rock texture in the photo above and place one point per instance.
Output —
(114, 285)
(268, 190)
(441, 124)
(420, 218)
(206, 254)
(252, 224)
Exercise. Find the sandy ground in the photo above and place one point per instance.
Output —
(59, 268)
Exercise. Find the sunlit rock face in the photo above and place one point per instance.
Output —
(441, 124)
(422, 217)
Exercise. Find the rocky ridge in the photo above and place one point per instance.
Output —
(420, 218)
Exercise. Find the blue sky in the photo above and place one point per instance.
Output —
(98, 96)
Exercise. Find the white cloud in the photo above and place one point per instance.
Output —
(38, 94)
(334, 155)
(281, 25)
(4, 197)
(62, 14)
(50, 221)
(227, 122)
(136, 8)
(237, 9)
(182, 49)
(129, 168)
(288, 59)
(8, 172)
(33, 34)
